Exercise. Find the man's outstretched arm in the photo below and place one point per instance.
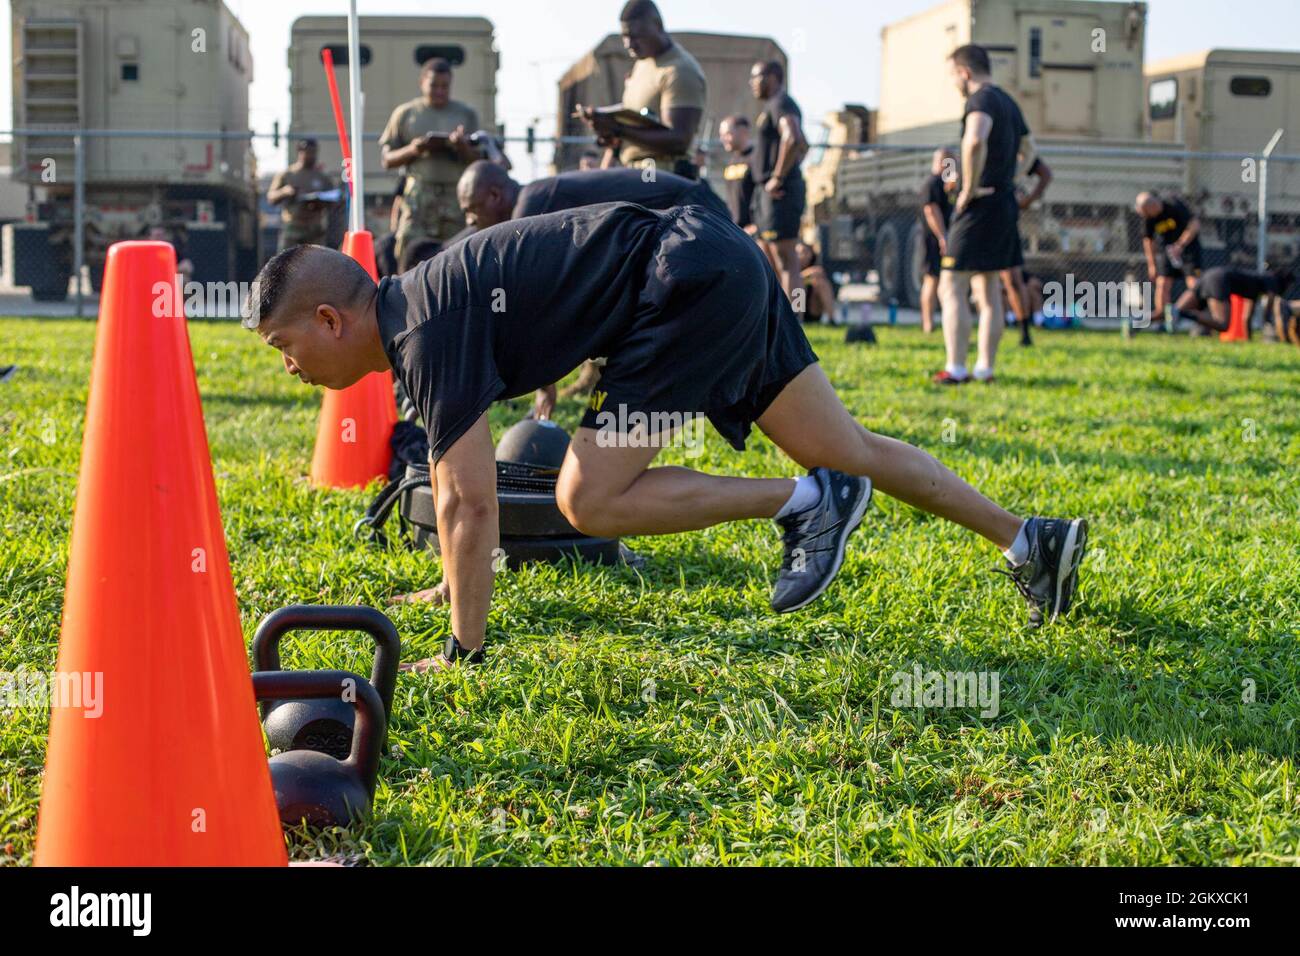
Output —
(466, 488)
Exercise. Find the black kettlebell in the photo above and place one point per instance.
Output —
(322, 724)
(312, 786)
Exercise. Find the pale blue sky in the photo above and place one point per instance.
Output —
(837, 62)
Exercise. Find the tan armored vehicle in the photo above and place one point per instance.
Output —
(392, 50)
(146, 65)
(597, 80)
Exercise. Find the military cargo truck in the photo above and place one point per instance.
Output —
(597, 80)
(392, 50)
(1075, 67)
(1107, 128)
(135, 65)
(1233, 101)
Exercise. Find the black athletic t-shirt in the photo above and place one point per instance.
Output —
(1173, 220)
(654, 190)
(767, 135)
(740, 187)
(934, 192)
(512, 308)
(1221, 283)
(1004, 139)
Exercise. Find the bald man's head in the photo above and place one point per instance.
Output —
(486, 194)
(1148, 205)
(942, 161)
(316, 306)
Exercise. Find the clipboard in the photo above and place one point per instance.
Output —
(630, 118)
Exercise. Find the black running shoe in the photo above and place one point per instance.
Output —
(945, 377)
(814, 539)
(1048, 578)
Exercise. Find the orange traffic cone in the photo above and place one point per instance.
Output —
(356, 424)
(1238, 329)
(155, 754)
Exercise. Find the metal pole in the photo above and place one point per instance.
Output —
(79, 217)
(1262, 252)
(354, 99)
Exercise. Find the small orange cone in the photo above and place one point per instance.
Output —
(356, 424)
(1238, 330)
(155, 755)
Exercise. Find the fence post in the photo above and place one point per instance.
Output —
(1261, 258)
(79, 217)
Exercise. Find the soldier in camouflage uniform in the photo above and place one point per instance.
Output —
(430, 136)
(302, 220)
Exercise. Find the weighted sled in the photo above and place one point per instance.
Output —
(541, 444)
(521, 514)
(521, 551)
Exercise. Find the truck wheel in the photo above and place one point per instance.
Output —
(914, 267)
(888, 256)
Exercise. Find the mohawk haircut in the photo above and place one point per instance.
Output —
(278, 285)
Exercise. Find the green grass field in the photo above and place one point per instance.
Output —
(665, 716)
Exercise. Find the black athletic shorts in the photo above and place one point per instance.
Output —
(932, 253)
(985, 236)
(1191, 262)
(779, 219)
(714, 334)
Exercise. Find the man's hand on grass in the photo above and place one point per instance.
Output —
(438, 594)
(438, 663)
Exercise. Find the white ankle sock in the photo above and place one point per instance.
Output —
(957, 371)
(981, 373)
(806, 494)
(1018, 553)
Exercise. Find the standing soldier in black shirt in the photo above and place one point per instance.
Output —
(936, 213)
(780, 195)
(736, 136)
(695, 325)
(984, 237)
(1168, 224)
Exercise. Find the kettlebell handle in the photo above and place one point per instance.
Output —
(369, 726)
(332, 617)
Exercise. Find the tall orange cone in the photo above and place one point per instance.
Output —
(155, 755)
(1238, 322)
(356, 424)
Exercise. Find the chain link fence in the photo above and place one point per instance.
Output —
(70, 194)
(1084, 233)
